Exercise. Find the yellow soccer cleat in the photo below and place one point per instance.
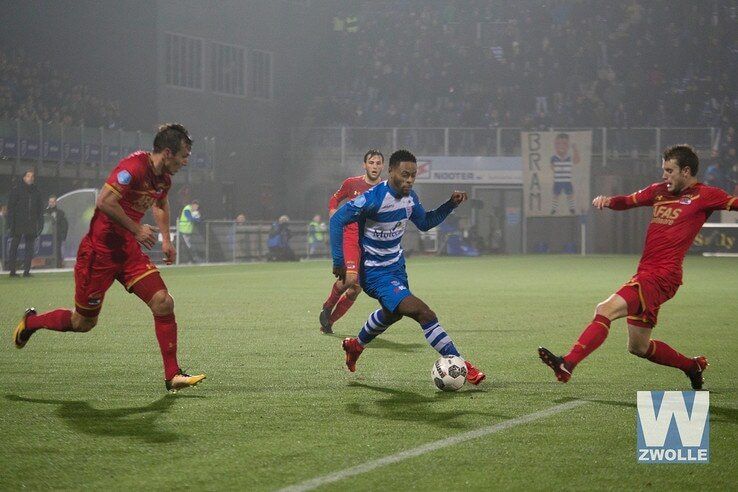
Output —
(21, 335)
(182, 380)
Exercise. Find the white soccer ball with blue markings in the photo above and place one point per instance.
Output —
(449, 373)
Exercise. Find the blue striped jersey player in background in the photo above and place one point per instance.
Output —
(562, 165)
(382, 214)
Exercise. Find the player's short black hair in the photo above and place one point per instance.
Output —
(170, 136)
(371, 153)
(563, 135)
(399, 156)
(685, 156)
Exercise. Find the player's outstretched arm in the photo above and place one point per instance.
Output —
(109, 203)
(426, 221)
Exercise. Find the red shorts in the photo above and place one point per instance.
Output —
(95, 272)
(645, 295)
(351, 254)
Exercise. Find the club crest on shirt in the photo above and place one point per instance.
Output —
(686, 200)
(409, 207)
(124, 177)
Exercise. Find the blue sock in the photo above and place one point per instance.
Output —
(438, 338)
(375, 325)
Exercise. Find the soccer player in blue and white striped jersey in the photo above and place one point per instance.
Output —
(382, 214)
(562, 165)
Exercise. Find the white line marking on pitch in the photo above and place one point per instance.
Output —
(430, 447)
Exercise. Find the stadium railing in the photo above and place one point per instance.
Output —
(346, 144)
(24, 142)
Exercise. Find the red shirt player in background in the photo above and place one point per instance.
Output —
(111, 250)
(681, 205)
(344, 293)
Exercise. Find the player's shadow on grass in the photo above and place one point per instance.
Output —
(413, 407)
(717, 413)
(384, 344)
(135, 422)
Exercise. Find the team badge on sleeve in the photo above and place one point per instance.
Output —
(124, 177)
(359, 201)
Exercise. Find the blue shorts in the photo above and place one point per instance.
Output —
(387, 285)
(563, 187)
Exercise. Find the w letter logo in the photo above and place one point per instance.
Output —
(673, 427)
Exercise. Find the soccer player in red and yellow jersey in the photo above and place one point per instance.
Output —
(344, 293)
(111, 250)
(680, 205)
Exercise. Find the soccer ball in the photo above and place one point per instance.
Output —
(449, 373)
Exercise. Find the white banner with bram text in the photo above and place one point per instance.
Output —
(556, 167)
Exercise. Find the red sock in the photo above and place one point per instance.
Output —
(57, 320)
(661, 353)
(333, 298)
(591, 338)
(166, 334)
(343, 305)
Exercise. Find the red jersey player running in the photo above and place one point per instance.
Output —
(681, 205)
(111, 250)
(344, 293)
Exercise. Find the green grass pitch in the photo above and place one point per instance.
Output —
(279, 408)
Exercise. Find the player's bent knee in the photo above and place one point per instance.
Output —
(162, 303)
(638, 349)
(426, 315)
(82, 325)
(606, 309)
(601, 309)
(390, 317)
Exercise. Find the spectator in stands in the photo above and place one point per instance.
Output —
(399, 64)
(715, 175)
(731, 161)
(59, 228)
(33, 90)
(25, 220)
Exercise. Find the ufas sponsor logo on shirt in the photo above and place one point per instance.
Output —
(673, 427)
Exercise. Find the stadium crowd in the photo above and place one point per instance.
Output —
(36, 91)
(489, 64)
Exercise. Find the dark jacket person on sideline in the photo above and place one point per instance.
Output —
(25, 220)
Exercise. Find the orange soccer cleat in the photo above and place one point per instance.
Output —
(182, 380)
(21, 334)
